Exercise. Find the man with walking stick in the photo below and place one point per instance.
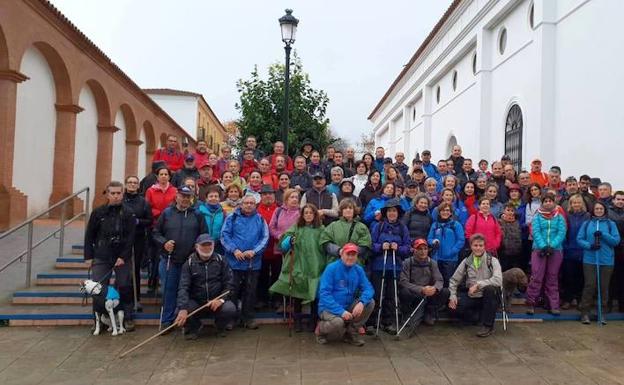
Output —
(205, 275)
(174, 236)
(345, 299)
(421, 289)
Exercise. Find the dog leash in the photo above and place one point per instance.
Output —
(106, 276)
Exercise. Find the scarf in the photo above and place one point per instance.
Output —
(547, 214)
(233, 203)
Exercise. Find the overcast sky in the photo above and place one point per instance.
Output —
(351, 49)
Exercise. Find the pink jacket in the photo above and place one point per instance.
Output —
(283, 218)
(488, 227)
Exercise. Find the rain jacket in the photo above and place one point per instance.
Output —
(160, 199)
(308, 262)
(214, 217)
(376, 204)
(281, 220)
(182, 226)
(341, 285)
(460, 212)
(244, 232)
(548, 232)
(337, 233)
(572, 250)
(450, 234)
(489, 227)
(609, 239)
(418, 223)
(390, 232)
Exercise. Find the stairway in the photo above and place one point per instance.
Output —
(55, 299)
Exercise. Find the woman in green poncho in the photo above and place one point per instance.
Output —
(303, 263)
(346, 229)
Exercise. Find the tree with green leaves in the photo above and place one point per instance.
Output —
(261, 106)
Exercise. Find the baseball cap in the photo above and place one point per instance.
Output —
(189, 158)
(203, 164)
(536, 161)
(350, 248)
(426, 152)
(505, 157)
(318, 175)
(184, 190)
(419, 242)
(411, 183)
(267, 189)
(204, 238)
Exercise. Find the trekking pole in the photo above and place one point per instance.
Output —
(381, 292)
(122, 355)
(164, 288)
(291, 264)
(598, 286)
(410, 317)
(134, 284)
(504, 310)
(396, 294)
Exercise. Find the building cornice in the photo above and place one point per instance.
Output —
(14, 76)
(69, 108)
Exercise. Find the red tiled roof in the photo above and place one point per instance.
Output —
(416, 55)
(169, 91)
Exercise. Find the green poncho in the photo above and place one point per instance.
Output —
(308, 264)
(337, 232)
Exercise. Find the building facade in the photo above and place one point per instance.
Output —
(527, 78)
(192, 113)
(69, 117)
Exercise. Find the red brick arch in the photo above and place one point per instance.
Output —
(4, 52)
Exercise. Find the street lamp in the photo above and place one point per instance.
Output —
(288, 25)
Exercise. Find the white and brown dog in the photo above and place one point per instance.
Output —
(106, 304)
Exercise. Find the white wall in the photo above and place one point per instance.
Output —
(183, 109)
(119, 149)
(85, 152)
(589, 78)
(142, 155)
(35, 125)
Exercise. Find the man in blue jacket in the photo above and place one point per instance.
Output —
(345, 299)
(244, 237)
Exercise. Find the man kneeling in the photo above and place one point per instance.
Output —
(341, 313)
(479, 298)
(205, 275)
(421, 280)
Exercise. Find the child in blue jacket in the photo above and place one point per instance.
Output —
(446, 236)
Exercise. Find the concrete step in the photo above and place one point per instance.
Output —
(65, 297)
(72, 278)
(77, 249)
(71, 263)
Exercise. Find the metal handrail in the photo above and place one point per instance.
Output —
(30, 223)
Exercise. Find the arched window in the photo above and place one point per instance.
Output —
(452, 142)
(513, 135)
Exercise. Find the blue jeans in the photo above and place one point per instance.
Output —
(169, 288)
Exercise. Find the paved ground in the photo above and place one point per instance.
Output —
(549, 353)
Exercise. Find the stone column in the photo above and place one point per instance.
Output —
(64, 149)
(132, 156)
(103, 169)
(13, 203)
(149, 155)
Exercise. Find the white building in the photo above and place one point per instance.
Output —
(529, 78)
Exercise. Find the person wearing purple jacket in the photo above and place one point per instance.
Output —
(389, 236)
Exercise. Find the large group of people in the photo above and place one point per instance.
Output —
(364, 244)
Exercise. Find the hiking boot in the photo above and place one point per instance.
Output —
(574, 303)
(353, 339)
(370, 330)
(251, 324)
(585, 319)
(220, 332)
(603, 319)
(139, 307)
(485, 331)
(530, 310)
(390, 329)
(298, 326)
(129, 325)
(429, 320)
(164, 326)
(555, 312)
(321, 340)
(229, 326)
(191, 335)
(565, 306)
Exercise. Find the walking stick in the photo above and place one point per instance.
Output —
(598, 286)
(410, 317)
(164, 288)
(290, 285)
(134, 284)
(396, 294)
(381, 292)
(504, 310)
(122, 355)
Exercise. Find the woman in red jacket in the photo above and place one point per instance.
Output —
(484, 223)
(162, 193)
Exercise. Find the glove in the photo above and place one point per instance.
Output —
(594, 247)
(598, 234)
(332, 249)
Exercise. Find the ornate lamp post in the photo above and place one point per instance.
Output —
(288, 25)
